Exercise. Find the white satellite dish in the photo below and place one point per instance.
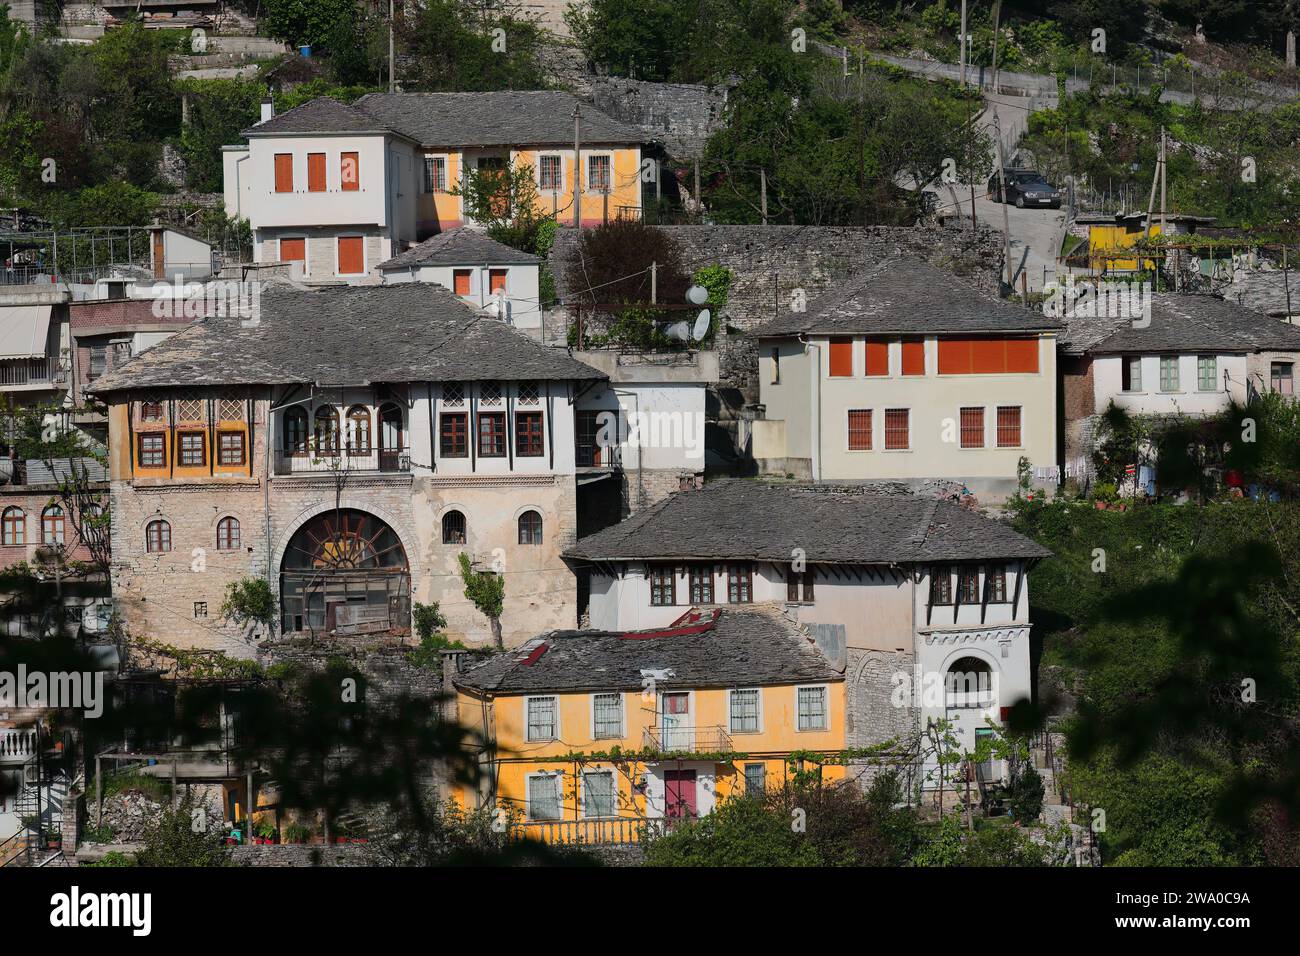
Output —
(697, 295)
(701, 327)
(679, 332)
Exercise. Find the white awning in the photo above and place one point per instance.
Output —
(24, 331)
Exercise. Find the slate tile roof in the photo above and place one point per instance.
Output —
(459, 247)
(347, 335)
(1181, 323)
(497, 118)
(324, 114)
(753, 646)
(738, 519)
(903, 295)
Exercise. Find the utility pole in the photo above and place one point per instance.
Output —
(962, 38)
(1164, 220)
(392, 77)
(997, 20)
(654, 283)
(762, 192)
(1002, 189)
(577, 167)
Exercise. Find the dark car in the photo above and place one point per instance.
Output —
(1025, 188)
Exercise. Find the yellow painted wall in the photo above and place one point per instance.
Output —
(1103, 239)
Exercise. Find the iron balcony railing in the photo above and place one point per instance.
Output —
(704, 739)
(43, 371)
(352, 460)
(611, 831)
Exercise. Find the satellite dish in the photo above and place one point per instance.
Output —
(678, 331)
(697, 295)
(701, 327)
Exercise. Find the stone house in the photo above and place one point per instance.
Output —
(346, 445)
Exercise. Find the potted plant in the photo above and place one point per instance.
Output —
(296, 833)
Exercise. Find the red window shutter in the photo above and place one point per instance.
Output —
(460, 281)
(1008, 426)
(988, 356)
(972, 428)
(293, 250)
(315, 172)
(350, 172)
(877, 358)
(913, 356)
(954, 356)
(496, 280)
(284, 172)
(897, 421)
(1022, 355)
(841, 357)
(352, 255)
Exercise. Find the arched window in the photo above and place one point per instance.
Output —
(453, 528)
(359, 430)
(295, 430)
(15, 526)
(228, 534)
(326, 434)
(969, 683)
(157, 537)
(52, 525)
(530, 528)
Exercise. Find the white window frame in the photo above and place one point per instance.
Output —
(564, 174)
(613, 776)
(1125, 361)
(558, 776)
(365, 254)
(622, 714)
(446, 173)
(528, 738)
(586, 179)
(826, 694)
(730, 716)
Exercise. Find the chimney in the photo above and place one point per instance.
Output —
(268, 109)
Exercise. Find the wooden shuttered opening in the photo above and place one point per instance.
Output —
(913, 356)
(350, 172)
(352, 255)
(877, 357)
(284, 172)
(987, 355)
(293, 250)
(841, 357)
(496, 280)
(460, 281)
(316, 172)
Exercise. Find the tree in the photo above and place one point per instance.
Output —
(507, 203)
(219, 111)
(486, 590)
(461, 46)
(186, 835)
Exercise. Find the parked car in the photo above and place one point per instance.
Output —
(1025, 188)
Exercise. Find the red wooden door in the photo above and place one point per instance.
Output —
(679, 794)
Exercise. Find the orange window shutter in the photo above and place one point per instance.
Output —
(460, 281)
(350, 172)
(1022, 355)
(293, 250)
(954, 356)
(877, 358)
(352, 257)
(989, 356)
(841, 357)
(316, 172)
(913, 356)
(284, 172)
(497, 280)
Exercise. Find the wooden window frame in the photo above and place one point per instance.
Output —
(53, 517)
(740, 583)
(182, 451)
(228, 534)
(497, 433)
(1280, 372)
(317, 177)
(468, 276)
(941, 591)
(968, 584)
(13, 527)
(533, 536)
(700, 584)
(453, 442)
(242, 444)
(860, 431)
(663, 579)
(530, 434)
(995, 584)
(973, 427)
(907, 445)
(158, 532)
(141, 452)
(1200, 373)
(1003, 428)
(277, 183)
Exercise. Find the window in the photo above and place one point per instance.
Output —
(52, 525)
(544, 797)
(15, 526)
(200, 608)
(995, 584)
(350, 172)
(1131, 373)
(972, 428)
(812, 708)
(941, 584)
(598, 174)
(435, 174)
(606, 716)
(152, 450)
(352, 255)
(1008, 426)
(841, 357)
(913, 356)
(530, 528)
(701, 576)
(496, 281)
(359, 430)
(326, 434)
(98, 361)
(1207, 373)
(191, 449)
(550, 173)
(230, 448)
(898, 429)
(968, 585)
(1169, 373)
(594, 433)
(1281, 377)
(598, 794)
(776, 366)
(877, 357)
(492, 434)
(542, 718)
(663, 585)
(151, 411)
(453, 442)
(987, 356)
(228, 534)
(528, 435)
(293, 250)
(755, 779)
(315, 172)
(284, 172)
(859, 429)
(295, 430)
(453, 528)
(157, 537)
(460, 281)
(793, 579)
(740, 584)
(743, 708)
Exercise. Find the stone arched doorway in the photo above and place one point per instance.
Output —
(345, 571)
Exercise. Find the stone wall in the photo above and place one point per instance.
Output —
(303, 854)
(682, 116)
(873, 717)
